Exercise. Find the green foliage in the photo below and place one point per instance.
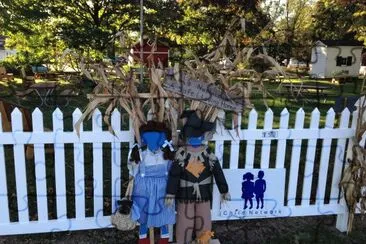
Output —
(293, 30)
(40, 47)
(333, 19)
(359, 22)
(91, 24)
(204, 23)
(21, 15)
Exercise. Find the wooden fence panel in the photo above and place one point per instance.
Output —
(58, 137)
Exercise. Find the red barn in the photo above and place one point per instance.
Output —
(161, 53)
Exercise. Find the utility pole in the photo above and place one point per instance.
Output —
(141, 41)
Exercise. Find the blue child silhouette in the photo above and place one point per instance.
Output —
(247, 188)
(260, 188)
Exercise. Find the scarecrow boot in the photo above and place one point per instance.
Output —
(164, 235)
(143, 235)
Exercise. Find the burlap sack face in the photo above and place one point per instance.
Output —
(123, 221)
(122, 217)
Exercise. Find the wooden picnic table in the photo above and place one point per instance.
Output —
(44, 90)
(307, 89)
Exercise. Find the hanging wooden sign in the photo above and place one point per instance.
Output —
(208, 93)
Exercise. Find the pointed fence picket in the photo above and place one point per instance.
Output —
(266, 143)
(4, 211)
(295, 160)
(79, 178)
(116, 160)
(342, 217)
(60, 172)
(40, 168)
(19, 165)
(252, 125)
(97, 164)
(235, 144)
(310, 160)
(339, 158)
(269, 136)
(281, 143)
(324, 159)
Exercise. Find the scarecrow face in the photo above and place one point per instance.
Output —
(153, 139)
(195, 141)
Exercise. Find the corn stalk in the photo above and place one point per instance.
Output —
(353, 183)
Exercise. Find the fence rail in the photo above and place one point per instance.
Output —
(314, 158)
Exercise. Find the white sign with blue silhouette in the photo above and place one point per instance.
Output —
(254, 193)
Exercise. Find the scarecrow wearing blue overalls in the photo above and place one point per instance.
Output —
(150, 168)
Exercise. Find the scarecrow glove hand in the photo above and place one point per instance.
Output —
(169, 200)
(225, 197)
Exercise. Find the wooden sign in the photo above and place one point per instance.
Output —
(208, 93)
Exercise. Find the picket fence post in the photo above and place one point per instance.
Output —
(40, 168)
(19, 165)
(281, 144)
(295, 160)
(309, 163)
(60, 171)
(116, 160)
(266, 143)
(4, 211)
(342, 218)
(252, 125)
(79, 178)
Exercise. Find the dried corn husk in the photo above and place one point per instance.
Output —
(353, 183)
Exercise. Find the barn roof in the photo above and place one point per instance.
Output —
(331, 43)
(159, 43)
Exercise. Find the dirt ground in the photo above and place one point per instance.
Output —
(282, 230)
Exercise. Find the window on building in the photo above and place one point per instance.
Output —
(349, 60)
(344, 61)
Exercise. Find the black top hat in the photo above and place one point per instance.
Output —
(194, 126)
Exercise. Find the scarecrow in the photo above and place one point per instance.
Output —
(149, 168)
(191, 178)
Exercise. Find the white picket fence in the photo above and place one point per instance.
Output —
(266, 135)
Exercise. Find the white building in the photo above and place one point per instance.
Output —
(4, 52)
(335, 58)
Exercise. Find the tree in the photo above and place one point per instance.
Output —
(333, 19)
(359, 22)
(204, 23)
(21, 15)
(30, 31)
(91, 24)
(293, 29)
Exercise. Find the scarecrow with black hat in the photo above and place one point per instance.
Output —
(191, 178)
(149, 169)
